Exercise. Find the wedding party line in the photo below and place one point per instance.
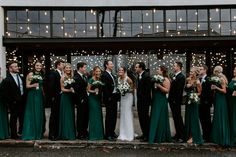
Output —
(23, 100)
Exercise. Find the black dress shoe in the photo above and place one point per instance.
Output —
(140, 137)
(82, 137)
(180, 140)
(52, 138)
(144, 139)
(16, 137)
(110, 138)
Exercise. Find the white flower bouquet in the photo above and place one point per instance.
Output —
(193, 98)
(215, 80)
(36, 79)
(97, 85)
(123, 88)
(158, 79)
(68, 83)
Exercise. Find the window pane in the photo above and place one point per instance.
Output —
(92, 30)
(225, 14)
(225, 28)
(137, 29)
(11, 17)
(202, 29)
(57, 16)
(147, 15)
(34, 30)
(91, 16)
(233, 14)
(158, 15)
(214, 15)
(182, 29)
(106, 30)
(69, 30)
(215, 29)
(192, 15)
(125, 30)
(69, 16)
(170, 29)
(233, 28)
(104, 15)
(170, 16)
(45, 30)
(202, 15)
(22, 30)
(44, 16)
(158, 29)
(125, 16)
(80, 30)
(58, 30)
(136, 16)
(148, 29)
(33, 17)
(21, 17)
(192, 29)
(181, 15)
(11, 30)
(80, 17)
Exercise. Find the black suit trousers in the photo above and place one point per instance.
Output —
(54, 117)
(111, 115)
(205, 119)
(143, 115)
(82, 118)
(178, 120)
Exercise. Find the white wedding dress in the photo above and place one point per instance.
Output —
(126, 117)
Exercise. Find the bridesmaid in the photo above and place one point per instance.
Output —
(4, 132)
(67, 113)
(96, 130)
(34, 112)
(232, 104)
(220, 126)
(160, 126)
(192, 126)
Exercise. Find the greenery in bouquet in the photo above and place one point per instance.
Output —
(158, 79)
(36, 79)
(123, 88)
(215, 80)
(68, 83)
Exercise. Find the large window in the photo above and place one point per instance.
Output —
(56, 23)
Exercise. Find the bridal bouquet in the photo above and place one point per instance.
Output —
(68, 83)
(97, 85)
(158, 79)
(215, 80)
(193, 98)
(36, 79)
(123, 88)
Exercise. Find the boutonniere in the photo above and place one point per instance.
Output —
(174, 78)
(21, 75)
(203, 81)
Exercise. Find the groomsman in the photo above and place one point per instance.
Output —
(55, 96)
(13, 89)
(81, 100)
(205, 103)
(175, 100)
(143, 99)
(110, 98)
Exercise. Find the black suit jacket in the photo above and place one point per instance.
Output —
(207, 93)
(80, 87)
(176, 89)
(54, 84)
(10, 91)
(144, 88)
(108, 87)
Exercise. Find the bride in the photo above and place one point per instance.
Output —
(125, 86)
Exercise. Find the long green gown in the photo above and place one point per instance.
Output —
(96, 130)
(4, 132)
(220, 125)
(159, 126)
(192, 124)
(232, 112)
(67, 118)
(34, 114)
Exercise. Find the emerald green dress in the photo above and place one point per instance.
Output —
(220, 125)
(159, 125)
(4, 132)
(96, 130)
(192, 124)
(67, 118)
(232, 111)
(33, 125)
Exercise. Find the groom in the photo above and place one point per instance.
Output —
(110, 98)
(143, 99)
